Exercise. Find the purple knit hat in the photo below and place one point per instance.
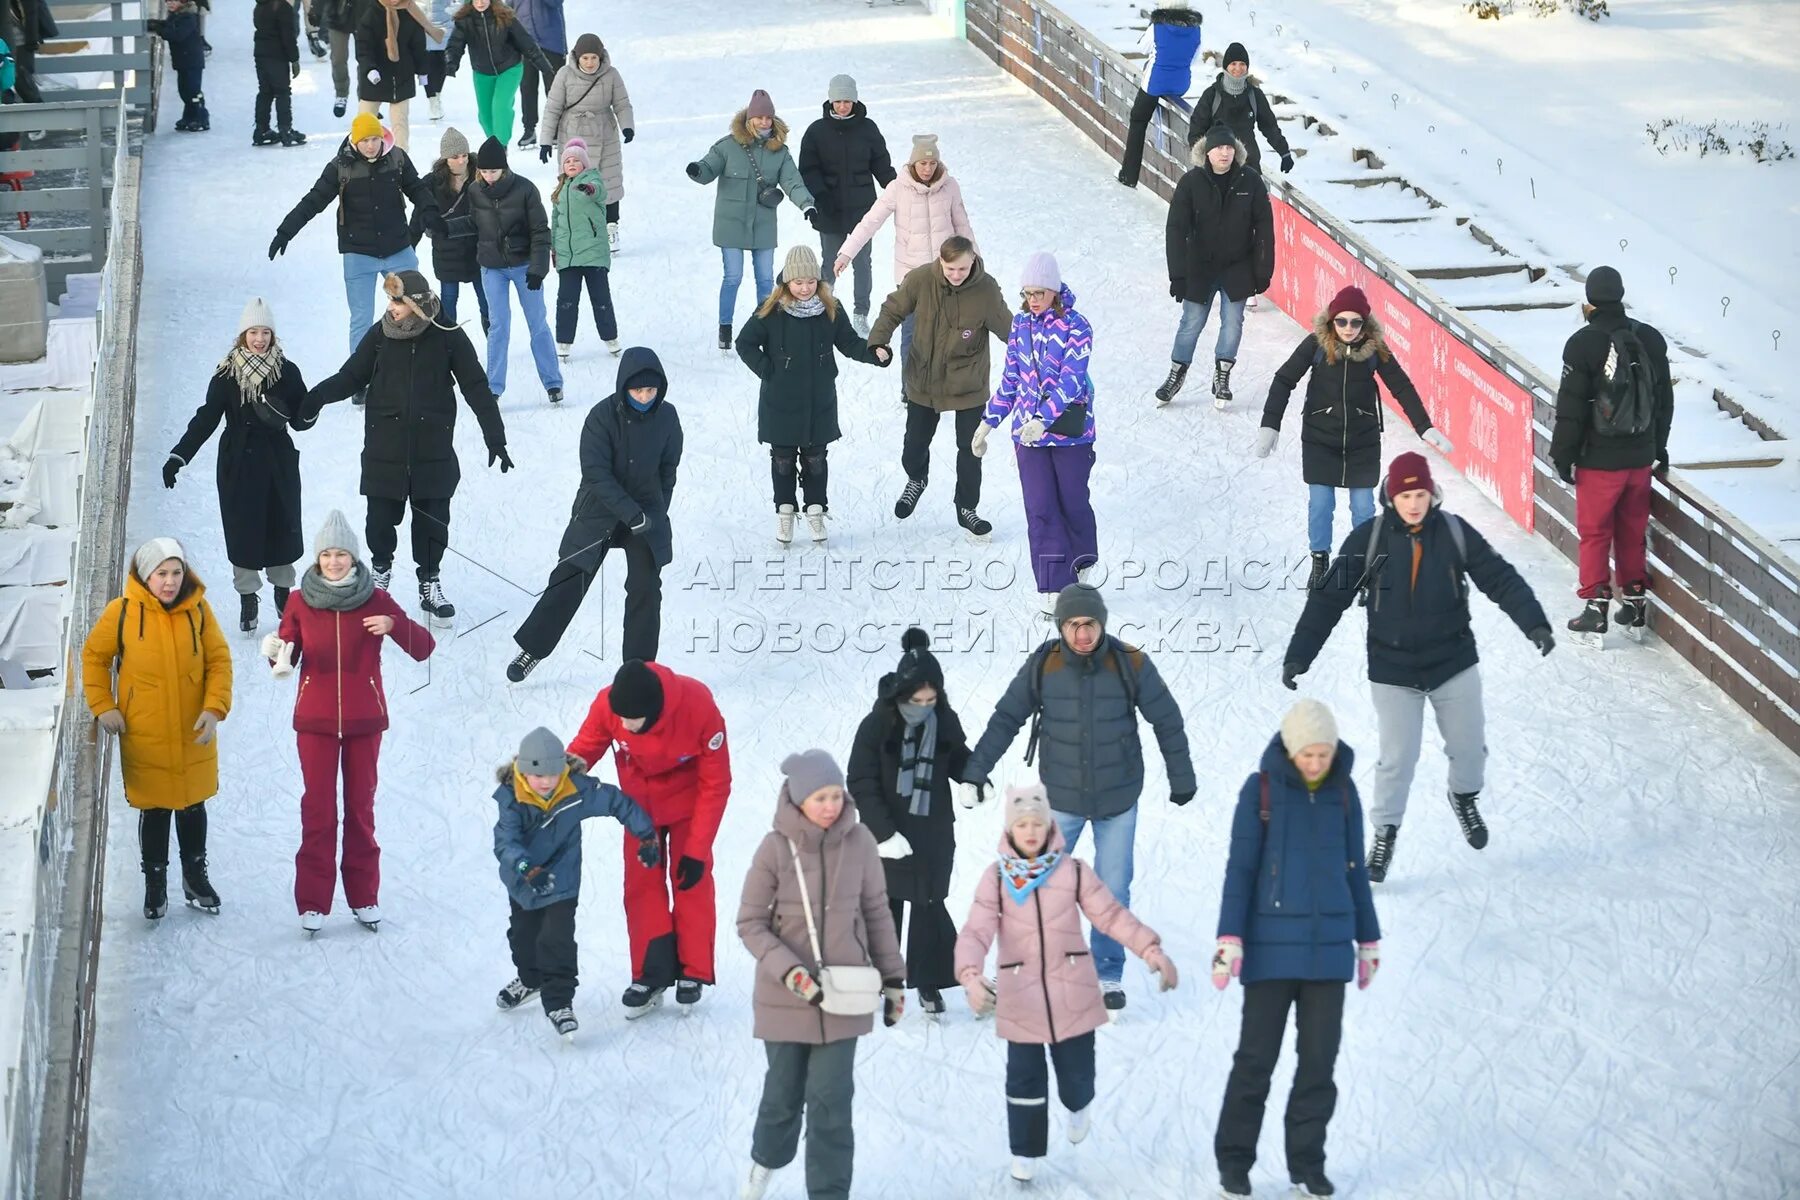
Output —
(760, 105)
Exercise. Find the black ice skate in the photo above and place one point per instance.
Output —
(247, 612)
(383, 573)
(1633, 613)
(521, 666)
(564, 1020)
(687, 993)
(1311, 1184)
(265, 136)
(1469, 817)
(1112, 994)
(1222, 381)
(909, 498)
(641, 998)
(197, 888)
(281, 595)
(156, 893)
(513, 995)
(431, 599)
(725, 336)
(973, 524)
(1170, 386)
(1382, 855)
(555, 394)
(1589, 627)
(1234, 1183)
(1321, 566)
(931, 1002)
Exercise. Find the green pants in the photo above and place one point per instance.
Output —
(495, 96)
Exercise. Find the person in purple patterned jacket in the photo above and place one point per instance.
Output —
(1046, 389)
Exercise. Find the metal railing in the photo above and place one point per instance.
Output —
(69, 192)
(1725, 598)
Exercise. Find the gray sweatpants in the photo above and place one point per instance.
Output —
(820, 1081)
(245, 581)
(1400, 716)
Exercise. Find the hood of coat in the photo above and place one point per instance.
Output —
(740, 131)
(793, 824)
(349, 154)
(1372, 342)
(1174, 16)
(637, 359)
(192, 591)
(508, 775)
(1279, 766)
(977, 273)
(605, 62)
(905, 179)
(859, 112)
(1197, 154)
(1056, 842)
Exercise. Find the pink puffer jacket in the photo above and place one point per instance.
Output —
(1048, 990)
(925, 215)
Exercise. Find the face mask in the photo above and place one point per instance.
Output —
(915, 714)
(640, 405)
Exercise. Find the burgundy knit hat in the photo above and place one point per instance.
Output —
(1408, 472)
(1351, 299)
(760, 105)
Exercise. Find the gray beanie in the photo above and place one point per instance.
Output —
(452, 143)
(1308, 723)
(1079, 600)
(336, 534)
(841, 87)
(153, 553)
(541, 753)
(808, 771)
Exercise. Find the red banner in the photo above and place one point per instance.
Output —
(1486, 415)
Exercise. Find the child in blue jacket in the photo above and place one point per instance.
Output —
(1296, 923)
(544, 795)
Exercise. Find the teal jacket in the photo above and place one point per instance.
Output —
(739, 222)
(578, 223)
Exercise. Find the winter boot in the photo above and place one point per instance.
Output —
(725, 335)
(757, 1186)
(909, 498)
(562, 351)
(1469, 817)
(1222, 381)
(1080, 1121)
(1112, 992)
(1381, 856)
(1177, 376)
(316, 44)
(815, 523)
(1311, 1183)
(437, 108)
(513, 995)
(1589, 626)
(431, 599)
(1632, 615)
(368, 916)
(247, 612)
(264, 136)
(1321, 566)
(564, 1020)
(612, 236)
(311, 922)
(555, 394)
(522, 665)
(977, 529)
(156, 892)
(687, 991)
(383, 573)
(527, 139)
(1234, 1183)
(784, 524)
(337, 106)
(281, 595)
(196, 887)
(641, 998)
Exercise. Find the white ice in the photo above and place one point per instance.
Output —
(1599, 1004)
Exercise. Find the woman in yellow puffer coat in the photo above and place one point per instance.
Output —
(173, 689)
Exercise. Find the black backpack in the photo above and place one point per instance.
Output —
(1625, 403)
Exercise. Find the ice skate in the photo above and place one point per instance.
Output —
(264, 136)
(292, 137)
(196, 888)
(337, 106)
(522, 665)
(437, 108)
(1474, 829)
(972, 523)
(931, 1003)
(687, 994)
(815, 523)
(757, 1185)
(383, 575)
(1112, 994)
(1382, 855)
(1589, 626)
(368, 916)
(315, 43)
(513, 995)
(1311, 1185)
(909, 498)
(1080, 1122)
(562, 351)
(1172, 385)
(281, 595)
(431, 599)
(725, 336)
(1321, 566)
(565, 1022)
(641, 998)
(784, 524)
(612, 236)
(156, 893)
(312, 922)
(614, 348)
(1023, 1168)
(247, 612)
(1633, 614)
(555, 394)
(1221, 388)
(527, 139)
(860, 323)
(1234, 1184)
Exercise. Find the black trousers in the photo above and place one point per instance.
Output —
(153, 833)
(1319, 1016)
(569, 282)
(434, 72)
(430, 532)
(930, 943)
(543, 950)
(804, 465)
(274, 89)
(193, 101)
(915, 453)
(1142, 110)
(1028, 1088)
(612, 213)
(584, 546)
(530, 79)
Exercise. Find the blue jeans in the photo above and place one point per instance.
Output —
(1321, 499)
(495, 283)
(361, 273)
(449, 291)
(1114, 841)
(1193, 322)
(761, 261)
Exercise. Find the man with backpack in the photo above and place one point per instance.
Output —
(1082, 693)
(1411, 565)
(1613, 412)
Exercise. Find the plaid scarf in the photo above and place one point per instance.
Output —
(251, 371)
(1023, 875)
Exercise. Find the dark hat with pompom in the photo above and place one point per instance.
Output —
(918, 667)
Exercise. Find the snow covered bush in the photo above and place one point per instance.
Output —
(1757, 139)
(1493, 10)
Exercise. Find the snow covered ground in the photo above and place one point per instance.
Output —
(1600, 1004)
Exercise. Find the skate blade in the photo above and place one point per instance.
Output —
(1590, 641)
(634, 1014)
(1638, 634)
(979, 539)
(437, 622)
(1162, 403)
(210, 909)
(1220, 404)
(371, 926)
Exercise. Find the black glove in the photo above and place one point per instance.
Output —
(1662, 464)
(171, 466)
(544, 884)
(497, 454)
(693, 172)
(545, 151)
(1540, 637)
(628, 134)
(586, 189)
(1180, 798)
(1287, 163)
(1566, 472)
(811, 215)
(688, 873)
(534, 282)
(642, 525)
(650, 852)
(1290, 672)
(278, 246)
(1178, 290)
(293, 70)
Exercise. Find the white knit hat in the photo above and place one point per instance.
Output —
(1041, 271)
(1308, 723)
(257, 315)
(336, 534)
(153, 553)
(1031, 801)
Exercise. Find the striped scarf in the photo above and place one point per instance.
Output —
(918, 762)
(1023, 875)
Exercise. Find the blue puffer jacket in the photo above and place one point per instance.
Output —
(1169, 46)
(1297, 889)
(548, 833)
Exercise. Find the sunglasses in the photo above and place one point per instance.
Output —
(1347, 322)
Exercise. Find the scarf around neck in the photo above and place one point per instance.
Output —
(811, 307)
(1022, 876)
(918, 763)
(409, 327)
(1232, 84)
(350, 592)
(251, 371)
(393, 26)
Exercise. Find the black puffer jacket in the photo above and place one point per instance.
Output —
(794, 357)
(511, 227)
(495, 45)
(409, 422)
(1244, 114)
(843, 161)
(277, 26)
(452, 247)
(397, 80)
(629, 458)
(1221, 233)
(873, 777)
(1340, 427)
(1575, 443)
(1419, 632)
(340, 15)
(371, 198)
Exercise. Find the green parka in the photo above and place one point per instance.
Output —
(739, 222)
(578, 223)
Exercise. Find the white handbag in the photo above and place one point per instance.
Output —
(847, 991)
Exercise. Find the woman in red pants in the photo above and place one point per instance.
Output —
(332, 630)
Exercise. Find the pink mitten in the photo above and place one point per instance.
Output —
(1164, 967)
(1368, 961)
(1228, 961)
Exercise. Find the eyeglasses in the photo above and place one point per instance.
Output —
(1035, 293)
(1347, 322)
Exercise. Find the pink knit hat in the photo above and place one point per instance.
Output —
(576, 148)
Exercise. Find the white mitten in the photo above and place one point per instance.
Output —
(374, 76)
(1439, 442)
(896, 846)
(284, 661)
(978, 442)
(969, 794)
(1265, 441)
(1031, 432)
(271, 645)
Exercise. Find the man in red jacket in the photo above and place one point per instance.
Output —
(668, 741)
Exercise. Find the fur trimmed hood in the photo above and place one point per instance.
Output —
(1197, 153)
(740, 131)
(1372, 342)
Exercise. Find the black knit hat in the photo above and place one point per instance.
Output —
(637, 692)
(1219, 135)
(1605, 287)
(1235, 53)
(918, 667)
(491, 156)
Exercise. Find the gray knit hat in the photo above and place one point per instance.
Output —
(153, 553)
(1041, 271)
(336, 534)
(924, 147)
(841, 87)
(1079, 600)
(802, 263)
(452, 143)
(541, 753)
(808, 771)
(1308, 723)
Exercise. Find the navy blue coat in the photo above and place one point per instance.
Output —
(1419, 637)
(1297, 889)
(551, 838)
(187, 48)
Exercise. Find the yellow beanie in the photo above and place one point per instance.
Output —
(364, 125)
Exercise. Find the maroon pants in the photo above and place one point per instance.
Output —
(1612, 512)
(315, 871)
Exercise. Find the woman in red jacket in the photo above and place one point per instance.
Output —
(332, 630)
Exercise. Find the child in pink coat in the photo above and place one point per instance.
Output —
(1046, 993)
